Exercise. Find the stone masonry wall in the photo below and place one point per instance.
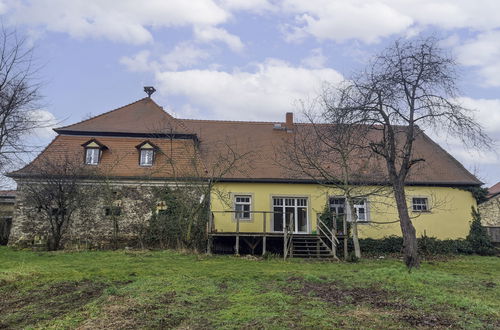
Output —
(90, 228)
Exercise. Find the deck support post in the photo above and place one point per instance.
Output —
(209, 232)
(346, 254)
(264, 238)
(237, 245)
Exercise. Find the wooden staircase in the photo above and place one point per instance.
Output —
(310, 246)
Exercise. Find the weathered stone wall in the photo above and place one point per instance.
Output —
(90, 227)
(490, 212)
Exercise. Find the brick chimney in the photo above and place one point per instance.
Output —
(289, 120)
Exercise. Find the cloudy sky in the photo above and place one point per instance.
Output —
(246, 59)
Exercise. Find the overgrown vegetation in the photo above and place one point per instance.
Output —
(180, 220)
(478, 238)
(165, 289)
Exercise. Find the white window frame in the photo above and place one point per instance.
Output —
(243, 204)
(427, 204)
(142, 160)
(95, 155)
(295, 202)
(357, 207)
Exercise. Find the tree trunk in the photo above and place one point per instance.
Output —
(410, 248)
(354, 224)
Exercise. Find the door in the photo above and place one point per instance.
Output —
(293, 210)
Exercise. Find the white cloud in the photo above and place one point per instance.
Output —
(316, 59)
(343, 20)
(139, 62)
(483, 52)
(183, 55)
(263, 94)
(45, 121)
(370, 20)
(247, 5)
(209, 33)
(125, 20)
(487, 112)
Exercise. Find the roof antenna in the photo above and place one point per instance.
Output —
(149, 90)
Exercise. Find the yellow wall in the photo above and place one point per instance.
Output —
(449, 216)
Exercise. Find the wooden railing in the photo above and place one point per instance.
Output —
(328, 236)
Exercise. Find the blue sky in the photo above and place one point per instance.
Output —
(246, 60)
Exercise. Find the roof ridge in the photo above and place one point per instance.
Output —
(229, 121)
(110, 111)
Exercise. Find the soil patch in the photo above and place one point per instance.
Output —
(339, 295)
(28, 308)
(426, 320)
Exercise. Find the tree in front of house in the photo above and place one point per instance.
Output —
(406, 89)
(336, 156)
(55, 195)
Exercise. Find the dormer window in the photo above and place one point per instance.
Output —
(92, 156)
(93, 151)
(147, 157)
(147, 152)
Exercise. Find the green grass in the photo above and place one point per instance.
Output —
(143, 289)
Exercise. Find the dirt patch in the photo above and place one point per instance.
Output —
(28, 308)
(339, 295)
(426, 320)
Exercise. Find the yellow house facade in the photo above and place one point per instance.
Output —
(447, 215)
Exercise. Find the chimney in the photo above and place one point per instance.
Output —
(289, 120)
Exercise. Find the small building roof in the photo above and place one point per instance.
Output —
(494, 190)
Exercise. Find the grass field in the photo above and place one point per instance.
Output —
(143, 289)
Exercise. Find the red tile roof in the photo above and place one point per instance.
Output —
(494, 190)
(206, 142)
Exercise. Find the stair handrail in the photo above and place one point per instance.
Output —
(323, 227)
(323, 230)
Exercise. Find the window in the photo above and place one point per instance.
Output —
(161, 207)
(92, 156)
(93, 151)
(338, 207)
(147, 151)
(242, 207)
(360, 205)
(147, 157)
(291, 211)
(420, 204)
(114, 210)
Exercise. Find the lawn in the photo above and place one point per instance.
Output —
(165, 289)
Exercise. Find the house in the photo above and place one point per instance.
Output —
(490, 213)
(140, 145)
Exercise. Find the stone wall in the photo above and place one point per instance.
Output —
(93, 226)
(490, 212)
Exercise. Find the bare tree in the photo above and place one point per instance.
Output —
(56, 194)
(19, 94)
(332, 149)
(409, 87)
